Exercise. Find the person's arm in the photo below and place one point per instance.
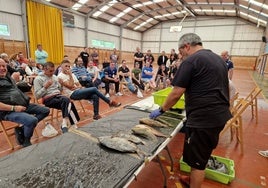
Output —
(6, 107)
(230, 73)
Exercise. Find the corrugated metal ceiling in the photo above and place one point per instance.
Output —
(141, 15)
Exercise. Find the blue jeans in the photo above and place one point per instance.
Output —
(130, 86)
(90, 93)
(29, 118)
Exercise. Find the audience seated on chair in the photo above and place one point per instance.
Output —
(124, 76)
(162, 76)
(110, 76)
(15, 107)
(81, 73)
(136, 76)
(147, 76)
(94, 73)
(73, 89)
(47, 87)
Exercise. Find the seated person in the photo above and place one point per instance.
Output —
(110, 76)
(136, 76)
(15, 107)
(47, 87)
(124, 75)
(81, 73)
(147, 76)
(73, 89)
(94, 73)
(162, 76)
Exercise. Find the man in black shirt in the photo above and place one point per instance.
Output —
(138, 58)
(203, 78)
(84, 55)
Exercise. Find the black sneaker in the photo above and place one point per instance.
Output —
(64, 129)
(19, 135)
(27, 142)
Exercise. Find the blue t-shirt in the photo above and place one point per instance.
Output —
(146, 69)
(110, 72)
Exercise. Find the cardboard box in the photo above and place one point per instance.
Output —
(212, 174)
(161, 95)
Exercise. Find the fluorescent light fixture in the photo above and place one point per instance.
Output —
(258, 4)
(127, 10)
(104, 8)
(82, 1)
(214, 10)
(253, 17)
(76, 6)
(113, 19)
(97, 13)
(143, 23)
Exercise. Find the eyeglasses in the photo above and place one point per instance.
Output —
(67, 66)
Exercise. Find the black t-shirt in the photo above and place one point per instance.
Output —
(205, 77)
(123, 70)
(84, 56)
(162, 73)
(138, 55)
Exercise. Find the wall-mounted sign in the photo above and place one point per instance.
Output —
(103, 44)
(4, 30)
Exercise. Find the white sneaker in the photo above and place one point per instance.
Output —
(139, 94)
(49, 131)
(264, 153)
(75, 126)
(107, 95)
(118, 94)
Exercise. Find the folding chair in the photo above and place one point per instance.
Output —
(7, 127)
(233, 99)
(235, 123)
(253, 102)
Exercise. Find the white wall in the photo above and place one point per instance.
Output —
(233, 34)
(10, 14)
(237, 36)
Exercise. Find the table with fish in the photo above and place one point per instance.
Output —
(105, 153)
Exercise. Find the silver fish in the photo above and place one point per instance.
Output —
(152, 123)
(130, 137)
(119, 144)
(149, 129)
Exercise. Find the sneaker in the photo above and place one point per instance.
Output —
(139, 94)
(96, 117)
(49, 131)
(74, 126)
(114, 104)
(107, 95)
(19, 135)
(64, 129)
(264, 153)
(118, 94)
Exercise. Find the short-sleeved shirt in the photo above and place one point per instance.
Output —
(146, 69)
(205, 76)
(162, 73)
(123, 70)
(138, 55)
(65, 78)
(136, 73)
(229, 64)
(110, 72)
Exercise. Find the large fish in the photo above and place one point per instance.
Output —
(152, 123)
(129, 137)
(147, 132)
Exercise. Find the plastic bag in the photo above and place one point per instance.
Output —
(49, 131)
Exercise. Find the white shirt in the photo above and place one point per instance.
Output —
(65, 77)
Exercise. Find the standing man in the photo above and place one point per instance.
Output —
(138, 58)
(15, 107)
(149, 57)
(225, 56)
(203, 78)
(162, 59)
(84, 55)
(95, 57)
(114, 57)
(40, 55)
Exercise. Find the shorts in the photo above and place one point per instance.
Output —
(199, 144)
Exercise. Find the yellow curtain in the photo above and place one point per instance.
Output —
(45, 27)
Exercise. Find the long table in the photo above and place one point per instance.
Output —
(77, 159)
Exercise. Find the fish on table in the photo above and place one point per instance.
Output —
(152, 123)
(129, 137)
(147, 132)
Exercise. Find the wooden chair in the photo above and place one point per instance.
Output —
(235, 123)
(253, 102)
(7, 127)
(232, 100)
(123, 86)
